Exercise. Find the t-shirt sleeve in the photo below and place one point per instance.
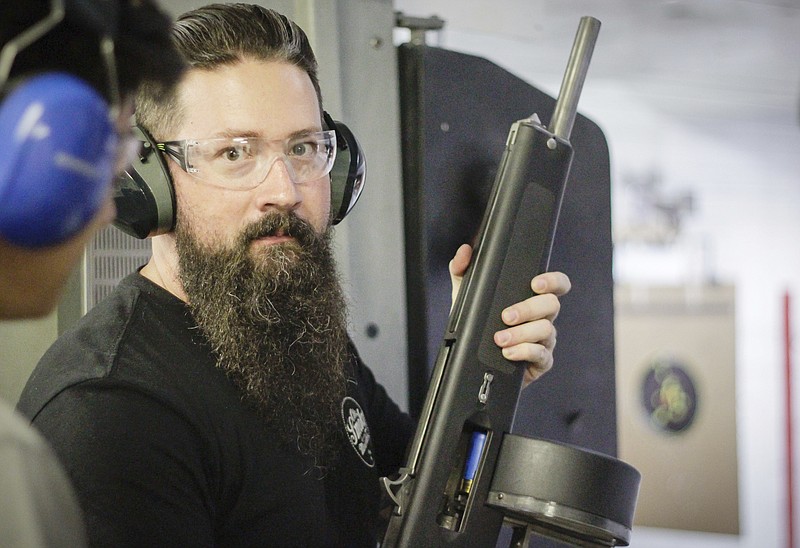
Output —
(136, 464)
(391, 428)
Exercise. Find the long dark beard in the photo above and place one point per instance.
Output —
(277, 323)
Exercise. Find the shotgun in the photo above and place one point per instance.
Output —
(444, 494)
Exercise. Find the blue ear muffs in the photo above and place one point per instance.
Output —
(57, 149)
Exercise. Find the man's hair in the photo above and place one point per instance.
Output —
(143, 49)
(224, 34)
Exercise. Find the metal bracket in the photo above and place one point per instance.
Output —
(418, 26)
(394, 488)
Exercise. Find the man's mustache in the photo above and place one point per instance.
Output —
(280, 224)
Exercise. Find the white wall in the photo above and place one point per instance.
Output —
(22, 343)
(746, 181)
(733, 143)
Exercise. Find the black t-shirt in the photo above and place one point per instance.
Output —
(163, 452)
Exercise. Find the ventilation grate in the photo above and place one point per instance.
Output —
(111, 256)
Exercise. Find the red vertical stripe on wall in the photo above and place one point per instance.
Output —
(787, 338)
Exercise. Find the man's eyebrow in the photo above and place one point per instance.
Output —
(253, 134)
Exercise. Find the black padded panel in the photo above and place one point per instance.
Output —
(456, 111)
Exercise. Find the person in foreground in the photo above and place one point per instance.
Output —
(211, 400)
(67, 84)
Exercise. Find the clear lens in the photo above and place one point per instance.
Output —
(244, 162)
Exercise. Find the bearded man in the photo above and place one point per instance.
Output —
(215, 399)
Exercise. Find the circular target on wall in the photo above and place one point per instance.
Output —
(669, 396)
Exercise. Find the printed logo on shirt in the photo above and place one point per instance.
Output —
(355, 424)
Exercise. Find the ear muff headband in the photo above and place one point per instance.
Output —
(145, 196)
(57, 149)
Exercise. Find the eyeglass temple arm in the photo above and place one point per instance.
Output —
(176, 150)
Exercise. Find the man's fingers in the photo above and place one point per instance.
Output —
(534, 308)
(556, 283)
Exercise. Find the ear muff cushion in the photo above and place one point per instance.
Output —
(348, 173)
(57, 148)
(143, 194)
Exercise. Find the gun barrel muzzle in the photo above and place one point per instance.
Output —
(577, 67)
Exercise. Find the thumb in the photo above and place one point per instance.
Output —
(458, 266)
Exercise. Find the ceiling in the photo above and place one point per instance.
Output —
(710, 58)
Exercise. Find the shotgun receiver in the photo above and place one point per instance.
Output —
(445, 494)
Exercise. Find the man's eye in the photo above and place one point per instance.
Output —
(234, 153)
(307, 148)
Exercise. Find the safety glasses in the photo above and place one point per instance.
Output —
(242, 163)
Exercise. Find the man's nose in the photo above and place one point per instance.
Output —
(278, 189)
